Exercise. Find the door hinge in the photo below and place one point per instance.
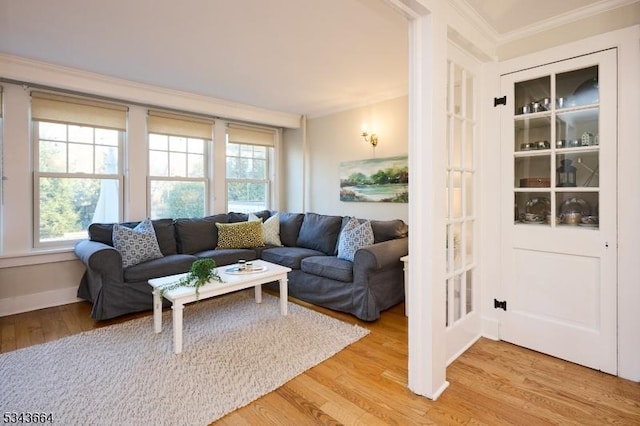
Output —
(497, 304)
(500, 101)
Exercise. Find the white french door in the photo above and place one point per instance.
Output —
(462, 318)
(558, 210)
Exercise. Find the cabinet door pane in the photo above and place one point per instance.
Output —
(533, 96)
(577, 88)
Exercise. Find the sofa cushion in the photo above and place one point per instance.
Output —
(290, 224)
(270, 229)
(164, 228)
(384, 230)
(288, 256)
(320, 232)
(239, 235)
(168, 265)
(198, 234)
(353, 237)
(136, 245)
(328, 267)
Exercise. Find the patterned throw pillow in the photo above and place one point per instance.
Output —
(136, 245)
(354, 236)
(239, 235)
(270, 229)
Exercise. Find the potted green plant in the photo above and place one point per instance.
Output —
(202, 271)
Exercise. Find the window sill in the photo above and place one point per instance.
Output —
(36, 258)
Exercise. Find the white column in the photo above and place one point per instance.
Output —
(17, 228)
(219, 173)
(427, 131)
(136, 165)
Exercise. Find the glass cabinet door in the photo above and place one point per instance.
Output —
(556, 150)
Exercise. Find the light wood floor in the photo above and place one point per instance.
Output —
(493, 383)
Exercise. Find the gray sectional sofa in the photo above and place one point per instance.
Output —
(372, 283)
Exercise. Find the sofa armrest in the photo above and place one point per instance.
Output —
(100, 258)
(378, 277)
(104, 270)
(381, 255)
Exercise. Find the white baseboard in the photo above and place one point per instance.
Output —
(463, 350)
(491, 328)
(32, 302)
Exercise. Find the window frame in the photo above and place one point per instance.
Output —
(267, 181)
(37, 243)
(206, 179)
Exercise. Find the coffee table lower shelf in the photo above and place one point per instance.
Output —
(231, 282)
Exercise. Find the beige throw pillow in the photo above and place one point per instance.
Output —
(270, 229)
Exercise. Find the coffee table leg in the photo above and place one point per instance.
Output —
(283, 295)
(258, 291)
(177, 327)
(157, 311)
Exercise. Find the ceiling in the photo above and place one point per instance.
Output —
(299, 56)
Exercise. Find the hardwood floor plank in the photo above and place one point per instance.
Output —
(492, 383)
(7, 334)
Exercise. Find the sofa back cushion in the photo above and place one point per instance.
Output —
(290, 224)
(384, 230)
(164, 228)
(244, 217)
(320, 232)
(198, 234)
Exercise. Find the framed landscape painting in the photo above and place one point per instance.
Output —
(381, 180)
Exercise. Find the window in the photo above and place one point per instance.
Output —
(77, 166)
(178, 167)
(248, 169)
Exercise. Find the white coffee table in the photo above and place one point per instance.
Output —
(232, 281)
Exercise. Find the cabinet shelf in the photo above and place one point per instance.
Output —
(577, 149)
(532, 153)
(589, 109)
(593, 189)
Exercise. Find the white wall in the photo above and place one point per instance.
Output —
(336, 138)
(292, 171)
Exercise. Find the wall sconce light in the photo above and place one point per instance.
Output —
(372, 139)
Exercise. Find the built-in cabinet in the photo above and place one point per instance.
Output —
(559, 143)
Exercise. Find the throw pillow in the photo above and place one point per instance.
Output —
(270, 229)
(354, 236)
(136, 245)
(239, 235)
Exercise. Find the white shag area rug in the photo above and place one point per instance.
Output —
(234, 352)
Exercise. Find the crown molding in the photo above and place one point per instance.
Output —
(585, 12)
(475, 19)
(462, 7)
(26, 71)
